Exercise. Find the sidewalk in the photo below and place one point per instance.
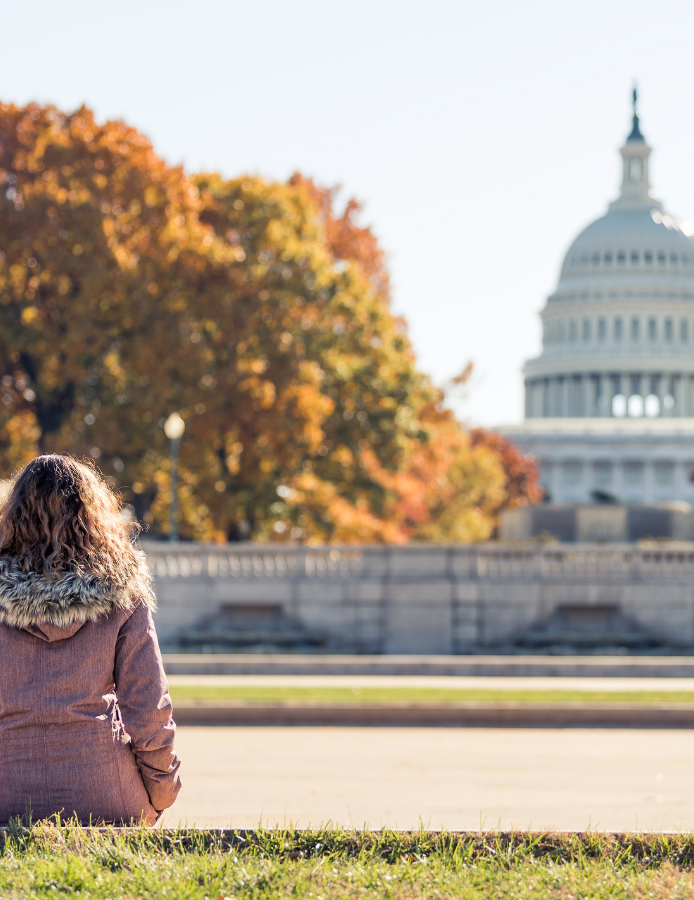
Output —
(566, 779)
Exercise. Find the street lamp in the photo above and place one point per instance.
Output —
(173, 429)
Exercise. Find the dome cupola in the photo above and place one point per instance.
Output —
(636, 189)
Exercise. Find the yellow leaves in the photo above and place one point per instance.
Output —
(22, 434)
(29, 315)
(343, 456)
(113, 365)
(262, 392)
(257, 366)
(121, 253)
(310, 371)
(233, 464)
(151, 197)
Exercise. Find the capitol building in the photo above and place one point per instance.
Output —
(609, 402)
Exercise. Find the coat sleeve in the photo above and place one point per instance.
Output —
(145, 705)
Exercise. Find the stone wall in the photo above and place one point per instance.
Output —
(426, 599)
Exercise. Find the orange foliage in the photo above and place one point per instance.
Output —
(347, 240)
(129, 289)
(522, 484)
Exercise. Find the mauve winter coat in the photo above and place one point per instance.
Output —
(85, 715)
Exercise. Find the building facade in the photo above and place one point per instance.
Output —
(609, 408)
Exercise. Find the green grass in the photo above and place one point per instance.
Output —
(46, 861)
(322, 694)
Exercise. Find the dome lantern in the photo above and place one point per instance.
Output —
(636, 189)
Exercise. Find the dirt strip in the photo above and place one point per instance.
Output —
(461, 715)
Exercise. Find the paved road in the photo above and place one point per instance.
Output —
(565, 779)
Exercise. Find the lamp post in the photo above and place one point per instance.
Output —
(173, 429)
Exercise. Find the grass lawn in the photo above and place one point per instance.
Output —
(325, 694)
(49, 861)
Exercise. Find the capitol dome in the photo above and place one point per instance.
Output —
(626, 242)
(618, 331)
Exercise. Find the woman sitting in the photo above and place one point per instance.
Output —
(85, 715)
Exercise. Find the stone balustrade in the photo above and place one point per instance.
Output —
(428, 598)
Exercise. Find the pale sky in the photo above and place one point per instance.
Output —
(481, 137)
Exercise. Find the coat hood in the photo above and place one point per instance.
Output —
(55, 608)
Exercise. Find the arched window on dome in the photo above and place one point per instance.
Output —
(635, 329)
(652, 329)
(684, 331)
(661, 258)
(621, 257)
(596, 259)
(685, 260)
(618, 328)
(602, 329)
(634, 256)
(648, 257)
(635, 170)
(668, 329)
(586, 330)
(608, 257)
(673, 259)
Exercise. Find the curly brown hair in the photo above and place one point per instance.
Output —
(60, 516)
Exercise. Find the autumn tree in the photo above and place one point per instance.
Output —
(521, 475)
(129, 290)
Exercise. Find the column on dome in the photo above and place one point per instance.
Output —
(574, 407)
(605, 395)
(592, 395)
(534, 398)
(565, 396)
(587, 395)
(688, 395)
(677, 393)
(615, 388)
(659, 391)
(684, 395)
(584, 393)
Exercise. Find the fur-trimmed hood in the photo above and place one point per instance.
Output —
(30, 599)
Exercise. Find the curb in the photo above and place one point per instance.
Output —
(512, 666)
(451, 715)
